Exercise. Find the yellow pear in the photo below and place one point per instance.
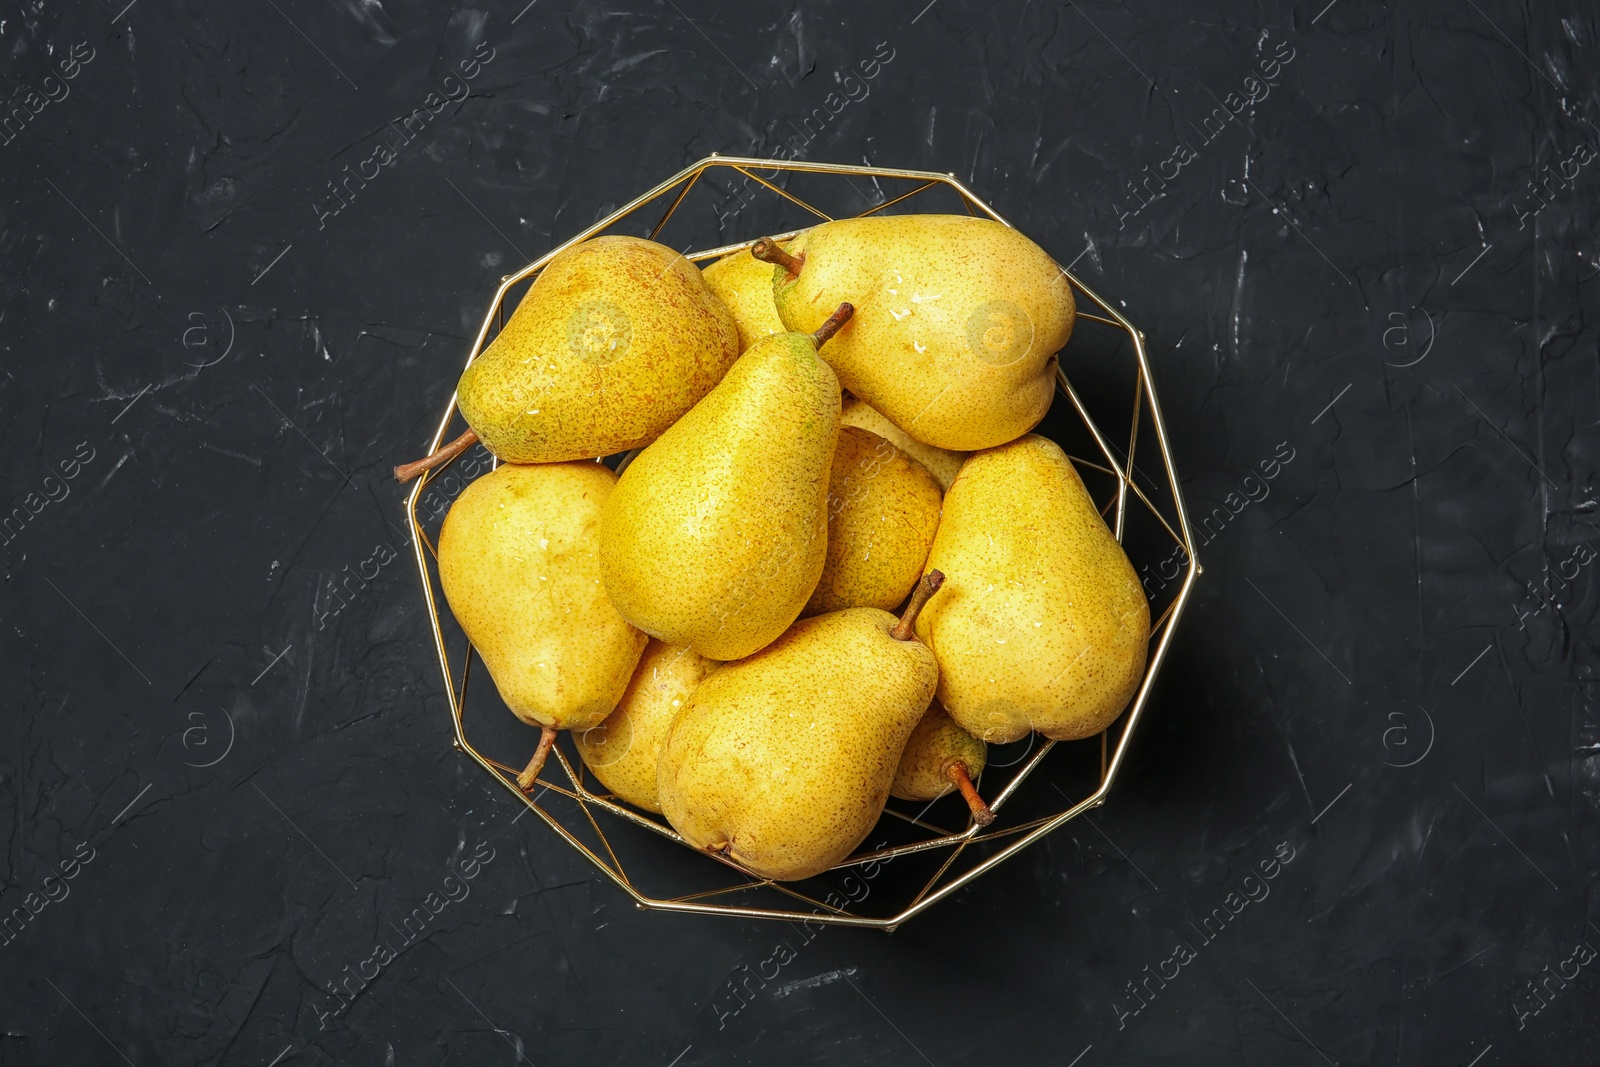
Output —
(941, 463)
(782, 762)
(959, 325)
(1042, 625)
(717, 532)
(744, 283)
(616, 339)
(941, 756)
(883, 508)
(519, 563)
(624, 749)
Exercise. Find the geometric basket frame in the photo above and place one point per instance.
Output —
(1026, 794)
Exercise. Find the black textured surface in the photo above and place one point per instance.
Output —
(220, 787)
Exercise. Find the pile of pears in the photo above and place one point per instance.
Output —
(835, 564)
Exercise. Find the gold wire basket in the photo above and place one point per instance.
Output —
(924, 861)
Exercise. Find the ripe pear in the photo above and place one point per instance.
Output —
(942, 464)
(782, 762)
(941, 756)
(624, 749)
(1043, 624)
(744, 284)
(883, 508)
(717, 532)
(519, 563)
(616, 339)
(959, 328)
(959, 325)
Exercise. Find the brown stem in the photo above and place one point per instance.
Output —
(769, 251)
(834, 324)
(957, 773)
(905, 629)
(407, 471)
(530, 773)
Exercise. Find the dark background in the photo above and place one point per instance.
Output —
(1387, 671)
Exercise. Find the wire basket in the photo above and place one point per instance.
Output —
(918, 854)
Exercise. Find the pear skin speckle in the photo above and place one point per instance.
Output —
(957, 326)
(941, 463)
(1041, 623)
(519, 563)
(883, 509)
(936, 743)
(624, 749)
(744, 284)
(617, 338)
(784, 760)
(717, 532)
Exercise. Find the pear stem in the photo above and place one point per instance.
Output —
(768, 251)
(957, 773)
(833, 324)
(407, 471)
(530, 773)
(905, 629)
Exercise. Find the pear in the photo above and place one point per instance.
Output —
(1043, 624)
(717, 531)
(616, 339)
(744, 284)
(883, 508)
(519, 563)
(624, 749)
(959, 325)
(941, 756)
(942, 464)
(782, 762)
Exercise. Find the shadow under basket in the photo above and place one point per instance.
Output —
(918, 854)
